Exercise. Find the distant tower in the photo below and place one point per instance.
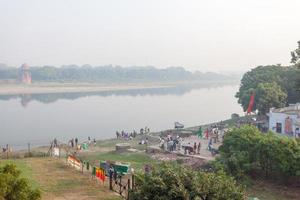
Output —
(25, 75)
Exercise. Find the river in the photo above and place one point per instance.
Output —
(39, 118)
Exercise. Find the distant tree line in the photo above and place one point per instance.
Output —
(273, 86)
(87, 73)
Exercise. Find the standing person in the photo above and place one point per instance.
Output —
(195, 147)
(72, 142)
(199, 148)
(55, 142)
(95, 142)
(206, 134)
(76, 142)
(89, 140)
(199, 133)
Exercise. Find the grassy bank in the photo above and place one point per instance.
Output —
(58, 181)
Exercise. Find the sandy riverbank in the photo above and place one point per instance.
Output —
(14, 89)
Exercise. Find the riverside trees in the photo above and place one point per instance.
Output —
(247, 150)
(274, 85)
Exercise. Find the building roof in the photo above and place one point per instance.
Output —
(291, 109)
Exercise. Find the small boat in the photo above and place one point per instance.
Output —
(178, 125)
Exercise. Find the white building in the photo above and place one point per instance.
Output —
(285, 120)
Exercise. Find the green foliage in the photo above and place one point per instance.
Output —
(167, 181)
(12, 187)
(246, 149)
(296, 60)
(269, 95)
(296, 55)
(267, 79)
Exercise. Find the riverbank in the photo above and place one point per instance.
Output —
(82, 87)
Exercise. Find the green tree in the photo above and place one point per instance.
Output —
(296, 55)
(269, 95)
(12, 187)
(296, 60)
(284, 77)
(246, 149)
(168, 181)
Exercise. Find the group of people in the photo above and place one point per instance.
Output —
(171, 143)
(192, 150)
(126, 136)
(73, 142)
(129, 136)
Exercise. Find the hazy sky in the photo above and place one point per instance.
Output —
(207, 35)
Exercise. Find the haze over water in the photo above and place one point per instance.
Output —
(100, 115)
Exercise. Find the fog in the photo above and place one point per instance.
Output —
(213, 35)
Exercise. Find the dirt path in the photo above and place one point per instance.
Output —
(60, 182)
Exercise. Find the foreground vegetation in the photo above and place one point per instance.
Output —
(246, 150)
(56, 180)
(167, 181)
(15, 187)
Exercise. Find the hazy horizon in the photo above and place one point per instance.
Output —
(204, 36)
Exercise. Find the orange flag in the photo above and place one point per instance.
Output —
(251, 102)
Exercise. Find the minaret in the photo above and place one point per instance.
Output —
(25, 75)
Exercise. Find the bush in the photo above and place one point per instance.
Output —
(12, 187)
(167, 181)
(246, 149)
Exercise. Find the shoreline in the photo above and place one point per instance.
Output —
(74, 88)
(56, 87)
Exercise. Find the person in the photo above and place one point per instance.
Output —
(76, 142)
(199, 148)
(199, 133)
(89, 140)
(72, 142)
(55, 142)
(209, 144)
(195, 147)
(206, 134)
(146, 142)
(95, 142)
(134, 133)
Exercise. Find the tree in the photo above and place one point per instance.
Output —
(296, 60)
(169, 181)
(296, 55)
(284, 77)
(246, 149)
(269, 95)
(12, 187)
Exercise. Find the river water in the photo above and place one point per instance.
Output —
(39, 118)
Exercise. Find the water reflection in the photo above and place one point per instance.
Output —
(46, 98)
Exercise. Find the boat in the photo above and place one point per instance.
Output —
(178, 125)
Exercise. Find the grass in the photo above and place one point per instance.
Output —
(136, 160)
(56, 180)
(134, 143)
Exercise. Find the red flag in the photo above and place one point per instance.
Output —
(251, 102)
